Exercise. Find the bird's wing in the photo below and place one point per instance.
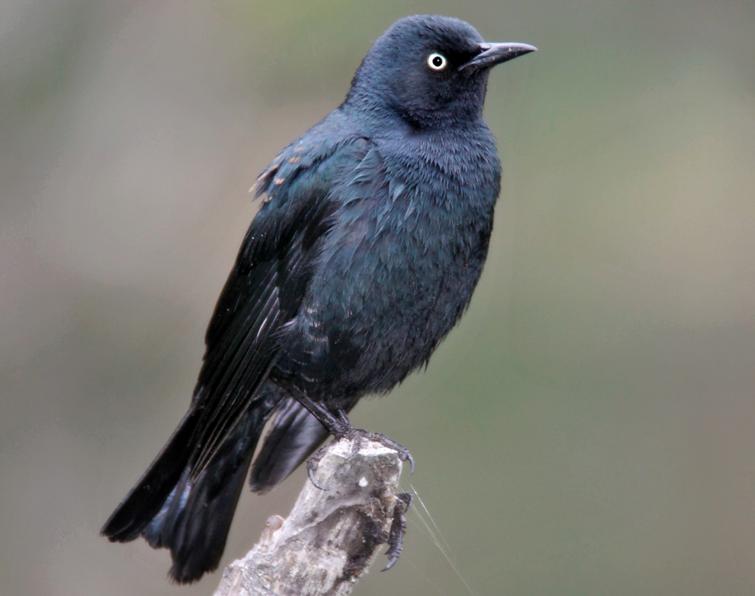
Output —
(266, 285)
(318, 350)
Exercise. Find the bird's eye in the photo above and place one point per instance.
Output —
(436, 61)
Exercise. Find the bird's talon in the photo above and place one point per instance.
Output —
(407, 457)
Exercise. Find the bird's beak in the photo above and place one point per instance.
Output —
(496, 53)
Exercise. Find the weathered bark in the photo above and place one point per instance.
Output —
(332, 533)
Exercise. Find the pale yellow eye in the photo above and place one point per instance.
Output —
(437, 61)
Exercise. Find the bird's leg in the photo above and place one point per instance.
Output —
(398, 530)
(336, 423)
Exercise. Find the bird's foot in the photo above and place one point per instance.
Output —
(338, 424)
(403, 453)
(358, 434)
(398, 530)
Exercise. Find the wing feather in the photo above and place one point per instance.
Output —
(264, 291)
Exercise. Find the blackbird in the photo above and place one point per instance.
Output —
(365, 251)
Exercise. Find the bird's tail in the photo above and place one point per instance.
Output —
(189, 515)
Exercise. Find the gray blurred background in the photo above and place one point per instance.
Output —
(587, 430)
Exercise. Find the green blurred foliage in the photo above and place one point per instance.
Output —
(587, 430)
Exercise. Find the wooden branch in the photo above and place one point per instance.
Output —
(332, 533)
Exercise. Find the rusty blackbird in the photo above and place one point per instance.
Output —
(365, 251)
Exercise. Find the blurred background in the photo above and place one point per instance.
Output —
(587, 430)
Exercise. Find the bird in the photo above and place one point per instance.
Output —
(371, 235)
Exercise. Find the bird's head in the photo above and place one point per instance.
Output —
(431, 71)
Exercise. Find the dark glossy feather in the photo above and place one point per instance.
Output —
(147, 497)
(293, 436)
(196, 517)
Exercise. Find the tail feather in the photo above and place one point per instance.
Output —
(294, 434)
(161, 527)
(198, 527)
(148, 496)
(189, 516)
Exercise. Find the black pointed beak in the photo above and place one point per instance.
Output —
(496, 53)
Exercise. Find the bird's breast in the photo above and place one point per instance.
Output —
(396, 280)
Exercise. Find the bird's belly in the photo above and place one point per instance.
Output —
(411, 321)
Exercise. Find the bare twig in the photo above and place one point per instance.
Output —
(333, 532)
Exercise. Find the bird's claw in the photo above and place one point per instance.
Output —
(398, 530)
(408, 458)
(312, 464)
